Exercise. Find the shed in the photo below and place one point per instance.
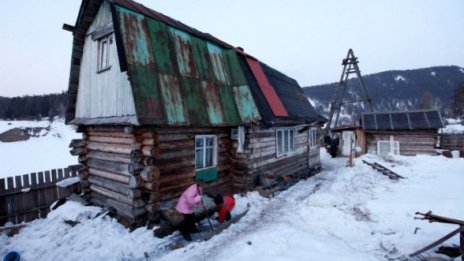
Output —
(403, 133)
(350, 137)
(160, 103)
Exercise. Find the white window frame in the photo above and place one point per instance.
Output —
(104, 50)
(394, 146)
(203, 151)
(313, 138)
(290, 142)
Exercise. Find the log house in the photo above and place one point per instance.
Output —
(159, 103)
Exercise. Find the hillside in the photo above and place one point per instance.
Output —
(396, 90)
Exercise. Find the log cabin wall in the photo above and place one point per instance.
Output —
(135, 170)
(411, 142)
(260, 157)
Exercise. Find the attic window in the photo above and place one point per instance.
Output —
(104, 44)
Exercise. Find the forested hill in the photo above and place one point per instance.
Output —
(33, 107)
(429, 88)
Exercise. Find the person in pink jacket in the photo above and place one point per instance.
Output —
(187, 201)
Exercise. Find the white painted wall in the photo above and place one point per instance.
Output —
(104, 94)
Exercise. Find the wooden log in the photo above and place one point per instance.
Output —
(121, 208)
(115, 140)
(118, 197)
(135, 168)
(148, 141)
(77, 143)
(78, 151)
(150, 173)
(114, 148)
(122, 158)
(82, 158)
(136, 156)
(136, 182)
(115, 186)
(150, 151)
(109, 166)
(151, 197)
(148, 161)
(84, 174)
(152, 186)
(152, 208)
(109, 175)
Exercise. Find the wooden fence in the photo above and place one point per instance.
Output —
(452, 141)
(27, 197)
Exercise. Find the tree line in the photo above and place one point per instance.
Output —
(52, 105)
(33, 107)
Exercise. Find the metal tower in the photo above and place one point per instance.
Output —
(350, 66)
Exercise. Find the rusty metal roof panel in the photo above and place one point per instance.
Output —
(141, 9)
(178, 78)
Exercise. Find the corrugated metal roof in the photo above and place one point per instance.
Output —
(410, 120)
(178, 78)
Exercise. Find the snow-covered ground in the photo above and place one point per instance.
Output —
(48, 151)
(340, 214)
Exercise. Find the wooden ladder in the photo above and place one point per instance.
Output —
(390, 174)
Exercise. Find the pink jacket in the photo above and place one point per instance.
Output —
(188, 200)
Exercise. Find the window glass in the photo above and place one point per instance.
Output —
(279, 142)
(103, 61)
(205, 151)
(285, 141)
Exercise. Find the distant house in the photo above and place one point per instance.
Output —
(160, 103)
(402, 133)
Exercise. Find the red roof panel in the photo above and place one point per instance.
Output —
(270, 94)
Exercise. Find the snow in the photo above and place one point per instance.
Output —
(340, 214)
(453, 126)
(48, 151)
(400, 78)
(68, 182)
(433, 73)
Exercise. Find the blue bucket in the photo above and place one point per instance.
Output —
(12, 256)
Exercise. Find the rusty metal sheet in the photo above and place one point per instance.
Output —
(194, 102)
(135, 34)
(184, 53)
(245, 104)
(236, 74)
(162, 48)
(213, 103)
(217, 62)
(172, 100)
(230, 113)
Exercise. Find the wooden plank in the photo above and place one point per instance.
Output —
(117, 157)
(117, 197)
(26, 183)
(54, 176)
(109, 166)
(115, 140)
(2, 185)
(60, 174)
(41, 179)
(33, 180)
(10, 183)
(113, 148)
(18, 182)
(109, 175)
(47, 177)
(118, 187)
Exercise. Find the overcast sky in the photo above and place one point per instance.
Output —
(305, 39)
